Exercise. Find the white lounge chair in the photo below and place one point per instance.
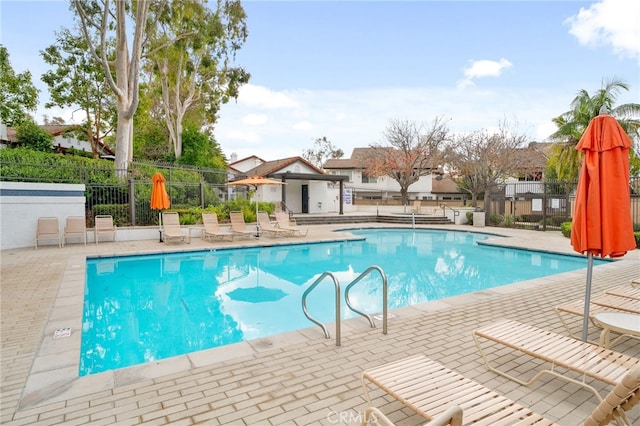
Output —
(265, 226)
(75, 227)
(239, 227)
(211, 230)
(284, 222)
(171, 229)
(48, 229)
(584, 359)
(444, 397)
(104, 227)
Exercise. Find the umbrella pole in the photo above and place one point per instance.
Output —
(160, 223)
(587, 298)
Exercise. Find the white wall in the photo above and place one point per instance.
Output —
(22, 203)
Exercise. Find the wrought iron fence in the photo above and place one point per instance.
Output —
(543, 205)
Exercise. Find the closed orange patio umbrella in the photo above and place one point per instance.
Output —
(159, 197)
(602, 224)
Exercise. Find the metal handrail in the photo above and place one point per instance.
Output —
(445, 207)
(384, 297)
(306, 312)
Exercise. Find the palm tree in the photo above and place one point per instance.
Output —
(573, 123)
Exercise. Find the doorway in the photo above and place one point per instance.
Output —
(305, 198)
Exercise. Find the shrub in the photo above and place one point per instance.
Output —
(565, 228)
(496, 219)
(469, 218)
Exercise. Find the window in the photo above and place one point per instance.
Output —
(368, 179)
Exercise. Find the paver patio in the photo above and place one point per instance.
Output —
(298, 378)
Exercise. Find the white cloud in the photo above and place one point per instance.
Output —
(255, 119)
(259, 96)
(303, 125)
(483, 68)
(609, 22)
(357, 117)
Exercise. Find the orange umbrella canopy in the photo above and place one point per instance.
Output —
(602, 223)
(159, 197)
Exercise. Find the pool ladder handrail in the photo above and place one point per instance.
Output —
(384, 297)
(306, 312)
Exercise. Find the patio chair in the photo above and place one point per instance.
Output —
(284, 222)
(628, 291)
(444, 397)
(171, 229)
(48, 229)
(104, 227)
(211, 230)
(434, 391)
(239, 227)
(75, 227)
(599, 303)
(265, 226)
(582, 358)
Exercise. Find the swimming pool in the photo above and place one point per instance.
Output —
(143, 308)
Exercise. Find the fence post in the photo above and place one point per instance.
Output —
(202, 195)
(132, 202)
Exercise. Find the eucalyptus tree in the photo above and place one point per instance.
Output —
(18, 94)
(106, 20)
(573, 123)
(412, 150)
(77, 80)
(191, 50)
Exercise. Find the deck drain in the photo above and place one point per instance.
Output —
(62, 333)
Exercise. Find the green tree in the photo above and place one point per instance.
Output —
(573, 123)
(194, 71)
(78, 80)
(32, 136)
(201, 150)
(18, 95)
(322, 150)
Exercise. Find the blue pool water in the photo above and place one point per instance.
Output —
(143, 308)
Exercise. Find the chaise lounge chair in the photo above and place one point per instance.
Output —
(48, 229)
(599, 304)
(239, 227)
(586, 360)
(284, 222)
(104, 226)
(171, 229)
(265, 226)
(75, 227)
(211, 230)
(444, 397)
(628, 291)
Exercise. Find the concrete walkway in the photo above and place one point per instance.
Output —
(298, 378)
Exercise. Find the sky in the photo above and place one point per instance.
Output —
(345, 70)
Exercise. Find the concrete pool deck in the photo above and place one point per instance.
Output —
(297, 378)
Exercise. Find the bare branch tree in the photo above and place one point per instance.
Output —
(482, 159)
(412, 151)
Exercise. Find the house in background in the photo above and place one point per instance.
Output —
(306, 189)
(64, 139)
(378, 188)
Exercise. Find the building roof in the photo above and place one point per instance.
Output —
(359, 158)
(271, 167)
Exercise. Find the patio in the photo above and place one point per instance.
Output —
(298, 378)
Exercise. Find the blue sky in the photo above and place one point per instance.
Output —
(345, 69)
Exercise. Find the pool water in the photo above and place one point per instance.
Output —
(143, 308)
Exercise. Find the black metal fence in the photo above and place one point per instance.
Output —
(542, 204)
(129, 203)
